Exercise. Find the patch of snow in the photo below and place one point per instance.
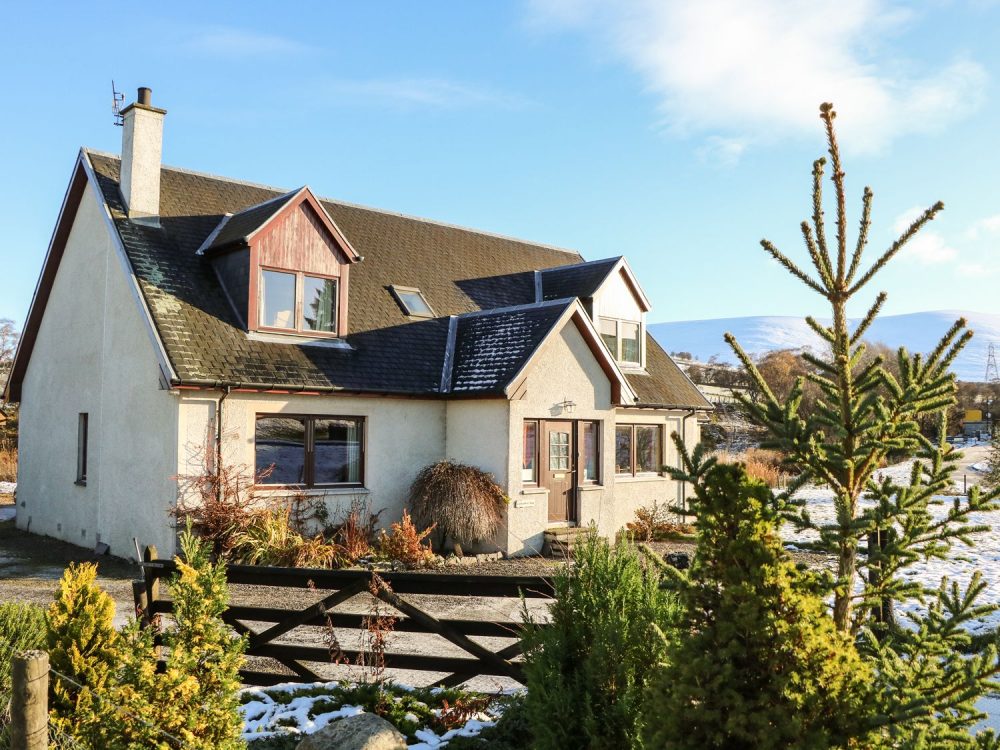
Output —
(7, 488)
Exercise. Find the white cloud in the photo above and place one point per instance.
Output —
(984, 227)
(756, 70)
(927, 247)
(242, 43)
(423, 92)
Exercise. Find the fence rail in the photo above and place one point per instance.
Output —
(344, 585)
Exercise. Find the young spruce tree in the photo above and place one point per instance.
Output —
(756, 663)
(929, 675)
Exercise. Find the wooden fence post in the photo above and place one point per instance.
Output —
(29, 706)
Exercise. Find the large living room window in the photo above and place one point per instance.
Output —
(623, 339)
(638, 449)
(297, 302)
(309, 451)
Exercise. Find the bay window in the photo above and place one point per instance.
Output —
(309, 451)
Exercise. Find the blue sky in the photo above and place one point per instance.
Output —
(675, 133)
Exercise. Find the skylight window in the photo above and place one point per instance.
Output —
(412, 301)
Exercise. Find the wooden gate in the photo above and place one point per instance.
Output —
(344, 585)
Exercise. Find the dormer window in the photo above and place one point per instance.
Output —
(284, 265)
(623, 339)
(297, 302)
(412, 301)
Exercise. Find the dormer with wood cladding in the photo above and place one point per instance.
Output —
(285, 266)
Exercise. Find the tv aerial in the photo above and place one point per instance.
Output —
(117, 99)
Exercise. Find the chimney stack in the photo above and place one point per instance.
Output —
(142, 150)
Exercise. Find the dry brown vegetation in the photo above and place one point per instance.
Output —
(765, 465)
(8, 461)
(405, 543)
(656, 523)
(463, 502)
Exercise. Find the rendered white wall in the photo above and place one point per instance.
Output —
(142, 149)
(401, 437)
(93, 354)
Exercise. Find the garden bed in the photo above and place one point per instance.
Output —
(277, 718)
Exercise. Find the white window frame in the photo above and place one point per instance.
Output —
(618, 341)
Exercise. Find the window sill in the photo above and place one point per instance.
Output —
(535, 491)
(297, 337)
(590, 487)
(292, 489)
(627, 478)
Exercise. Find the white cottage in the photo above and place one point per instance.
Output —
(343, 348)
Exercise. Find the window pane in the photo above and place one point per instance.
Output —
(630, 343)
(337, 449)
(647, 448)
(558, 451)
(590, 451)
(623, 449)
(280, 445)
(529, 452)
(277, 299)
(319, 304)
(414, 303)
(609, 332)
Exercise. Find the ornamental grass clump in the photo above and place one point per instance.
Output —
(463, 502)
(587, 670)
(270, 539)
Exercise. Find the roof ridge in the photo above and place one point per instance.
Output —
(349, 204)
(611, 259)
(564, 301)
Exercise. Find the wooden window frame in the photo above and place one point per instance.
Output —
(297, 303)
(82, 440)
(309, 447)
(633, 462)
(576, 439)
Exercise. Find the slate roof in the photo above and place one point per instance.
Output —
(492, 346)
(458, 270)
(581, 280)
(241, 225)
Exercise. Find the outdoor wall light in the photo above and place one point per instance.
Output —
(567, 406)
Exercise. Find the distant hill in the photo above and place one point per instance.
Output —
(760, 334)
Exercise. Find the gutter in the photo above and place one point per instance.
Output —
(684, 424)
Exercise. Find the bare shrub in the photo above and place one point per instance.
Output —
(462, 501)
(8, 461)
(656, 522)
(355, 535)
(405, 544)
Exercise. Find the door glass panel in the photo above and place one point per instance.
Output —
(647, 448)
(558, 451)
(280, 450)
(529, 452)
(623, 449)
(337, 450)
(589, 451)
(277, 299)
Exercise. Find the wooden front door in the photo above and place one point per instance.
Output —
(558, 469)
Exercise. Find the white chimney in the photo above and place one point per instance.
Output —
(142, 149)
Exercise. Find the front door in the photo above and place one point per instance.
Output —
(558, 469)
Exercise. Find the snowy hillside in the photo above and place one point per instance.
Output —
(916, 331)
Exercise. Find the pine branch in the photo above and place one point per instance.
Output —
(791, 267)
(866, 222)
(818, 258)
(905, 237)
(869, 318)
(822, 331)
(827, 114)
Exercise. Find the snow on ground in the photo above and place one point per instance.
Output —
(960, 566)
(263, 716)
(7, 488)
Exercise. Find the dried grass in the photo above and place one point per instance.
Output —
(463, 502)
(8, 461)
(656, 523)
(270, 539)
(762, 464)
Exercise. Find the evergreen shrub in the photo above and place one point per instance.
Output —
(587, 670)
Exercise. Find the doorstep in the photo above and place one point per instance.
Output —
(560, 540)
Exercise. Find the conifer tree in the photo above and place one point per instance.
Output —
(930, 674)
(82, 643)
(756, 663)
